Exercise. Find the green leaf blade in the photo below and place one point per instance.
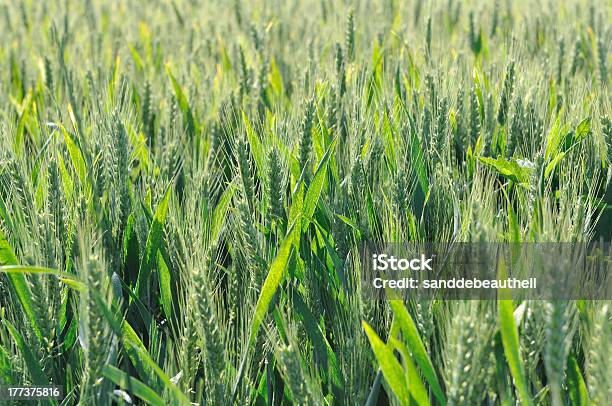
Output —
(390, 366)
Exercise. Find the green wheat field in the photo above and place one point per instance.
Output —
(185, 187)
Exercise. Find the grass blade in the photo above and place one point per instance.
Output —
(510, 341)
(132, 385)
(153, 244)
(389, 365)
(19, 283)
(165, 288)
(314, 190)
(34, 367)
(75, 155)
(415, 345)
(415, 385)
(575, 383)
(220, 213)
(68, 279)
(273, 280)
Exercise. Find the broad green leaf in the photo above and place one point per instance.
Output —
(573, 138)
(19, 283)
(513, 225)
(181, 98)
(276, 79)
(415, 385)
(349, 222)
(390, 366)
(7, 256)
(71, 283)
(577, 388)
(24, 114)
(132, 385)
(553, 164)
(321, 129)
(374, 83)
(296, 211)
(131, 341)
(67, 183)
(141, 153)
(112, 82)
(70, 336)
(555, 136)
(178, 396)
(220, 213)
(65, 277)
(315, 188)
(183, 103)
(318, 142)
(75, 155)
(510, 341)
(515, 232)
(416, 347)
(165, 289)
(131, 251)
(504, 380)
(511, 169)
(583, 130)
(273, 280)
(154, 242)
(136, 57)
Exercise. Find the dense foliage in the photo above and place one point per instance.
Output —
(185, 187)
